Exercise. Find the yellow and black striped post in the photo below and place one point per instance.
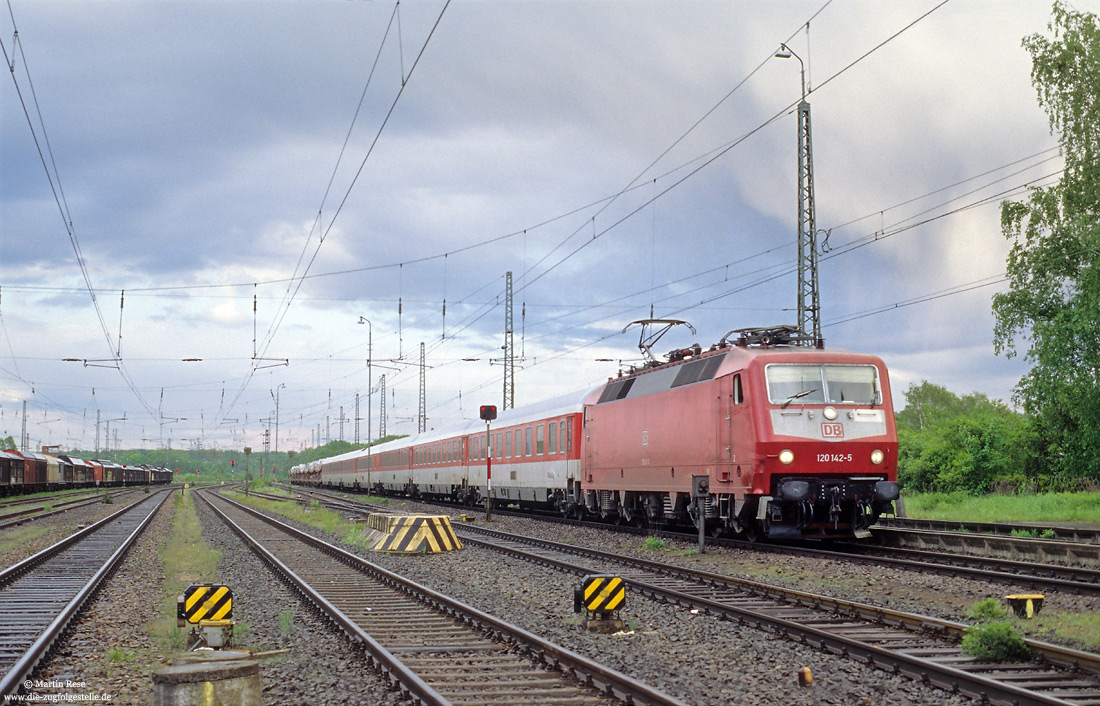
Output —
(205, 601)
(601, 596)
(207, 608)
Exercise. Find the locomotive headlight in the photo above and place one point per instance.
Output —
(876, 457)
(830, 413)
(786, 457)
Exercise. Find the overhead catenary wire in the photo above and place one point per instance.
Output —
(54, 178)
(281, 314)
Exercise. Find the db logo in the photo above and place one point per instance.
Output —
(832, 430)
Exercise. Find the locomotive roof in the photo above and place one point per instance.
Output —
(707, 365)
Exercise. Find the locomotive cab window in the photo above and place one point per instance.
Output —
(738, 393)
(823, 384)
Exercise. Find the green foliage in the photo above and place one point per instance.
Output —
(1053, 301)
(7, 442)
(1074, 508)
(1023, 533)
(211, 465)
(1048, 534)
(998, 642)
(987, 610)
(286, 621)
(118, 654)
(968, 443)
(655, 544)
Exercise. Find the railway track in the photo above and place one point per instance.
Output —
(1081, 535)
(1025, 575)
(42, 594)
(1069, 552)
(18, 517)
(435, 649)
(923, 647)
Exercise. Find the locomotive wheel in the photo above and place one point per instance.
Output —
(751, 533)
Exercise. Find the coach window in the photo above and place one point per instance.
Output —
(569, 437)
(561, 437)
(456, 451)
(529, 437)
(552, 438)
(540, 441)
(498, 448)
(508, 444)
(738, 395)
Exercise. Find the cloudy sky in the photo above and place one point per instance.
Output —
(258, 176)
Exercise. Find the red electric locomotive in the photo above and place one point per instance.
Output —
(793, 441)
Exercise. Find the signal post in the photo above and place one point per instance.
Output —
(488, 413)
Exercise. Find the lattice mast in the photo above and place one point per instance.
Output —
(809, 302)
(509, 348)
(382, 410)
(423, 394)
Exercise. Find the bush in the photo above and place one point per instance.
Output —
(987, 610)
(655, 544)
(995, 641)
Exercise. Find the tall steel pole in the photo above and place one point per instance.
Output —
(809, 300)
(423, 425)
(370, 357)
(382, 409)
(509, 348)
(277, 390)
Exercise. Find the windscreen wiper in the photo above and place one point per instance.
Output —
(796, 395)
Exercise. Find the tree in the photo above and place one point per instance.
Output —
(970, 443)
(8, 443)
(1053, 267)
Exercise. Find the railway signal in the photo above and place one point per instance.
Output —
(488, 413)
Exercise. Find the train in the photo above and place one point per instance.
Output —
(757, 437)
(23, 472)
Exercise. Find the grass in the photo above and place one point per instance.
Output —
(286, 621)
(656, 544)
(187, 559)
(1073, 508)
(318, 517)
(1082, 628)
(118, 654)
(20, 535)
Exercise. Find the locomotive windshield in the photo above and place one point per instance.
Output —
(823, 384)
